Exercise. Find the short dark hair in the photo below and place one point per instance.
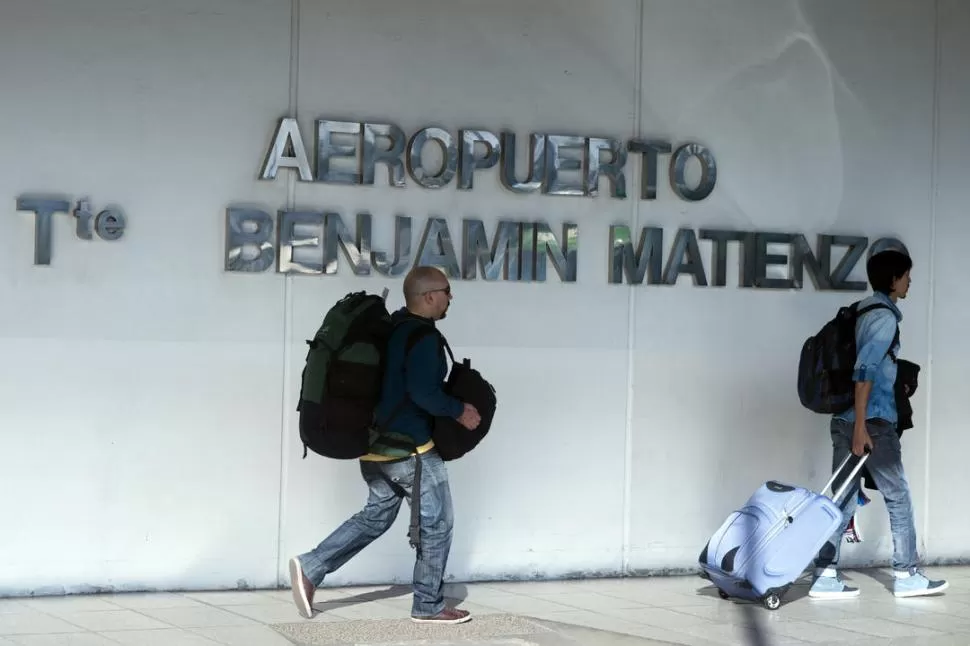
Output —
(885, 267)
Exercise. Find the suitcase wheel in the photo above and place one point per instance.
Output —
(723, 594)
(772, 601)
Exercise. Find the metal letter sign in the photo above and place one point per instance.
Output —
(348, 152)
(108, 224)
(363, 153)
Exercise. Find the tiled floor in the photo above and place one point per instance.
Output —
(680, 610)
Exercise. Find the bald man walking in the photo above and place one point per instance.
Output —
(403, 462)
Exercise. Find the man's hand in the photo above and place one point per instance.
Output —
(860, 439)
(470, 418)
(860, 436)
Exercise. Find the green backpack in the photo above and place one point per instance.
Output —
(342, 379)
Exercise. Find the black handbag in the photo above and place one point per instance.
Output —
(451, 439)
(907, 380)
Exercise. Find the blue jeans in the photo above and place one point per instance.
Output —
(390, 483)
(885, 463)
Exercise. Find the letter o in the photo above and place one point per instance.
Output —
(678, 172)
(449, 164)
(886, 244)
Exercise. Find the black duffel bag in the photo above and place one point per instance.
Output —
(451, 439)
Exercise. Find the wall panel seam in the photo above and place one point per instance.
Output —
(293, 99)
(626, 546)
(931, 297)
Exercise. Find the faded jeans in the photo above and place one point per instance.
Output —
(390, 483)
(885, 463)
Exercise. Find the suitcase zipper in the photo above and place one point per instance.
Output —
(778, 529)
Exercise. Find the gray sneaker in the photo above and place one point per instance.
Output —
(829, 585)
(914, 583)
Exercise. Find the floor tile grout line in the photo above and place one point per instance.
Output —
(572, 607)
(81, 628)
(101, 597)
(714, 622)
(565, 598)
(818, 622)
(276, 602)
(196, 631)
(678, 632)
(186, 596)
(12, 637)
(167, 628)
(257, 621)
(632, 621)
(213, 606)
(104, 636)
(704, 622)
(138, 611)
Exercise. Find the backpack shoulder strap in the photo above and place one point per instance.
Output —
(447, 347)
(416, 335)
(424, 331)
(412, 339)
(876, 306)
(869, 308)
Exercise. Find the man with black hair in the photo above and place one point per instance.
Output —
(871, 423)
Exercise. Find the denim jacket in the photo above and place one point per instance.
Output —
(874, 332)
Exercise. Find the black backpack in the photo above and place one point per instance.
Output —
(342, 378)
(827, 362)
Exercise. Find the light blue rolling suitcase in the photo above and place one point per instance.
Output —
(764, 547)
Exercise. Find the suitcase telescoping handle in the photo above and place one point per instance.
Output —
(854, 463)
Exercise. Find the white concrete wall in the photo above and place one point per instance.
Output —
(148, 432)
(949, 445)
